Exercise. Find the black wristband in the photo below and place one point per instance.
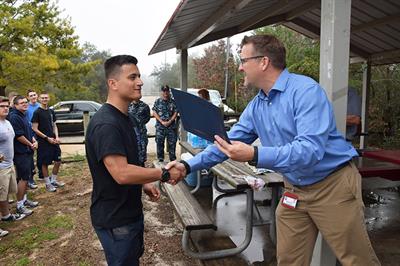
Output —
(254, 161)
(187, 166)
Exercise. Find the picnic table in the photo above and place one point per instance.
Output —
(194, 218)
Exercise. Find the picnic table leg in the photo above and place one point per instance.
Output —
(224, 252)
(274, 204)
(223, 190)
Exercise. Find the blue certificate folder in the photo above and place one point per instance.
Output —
(199, 116)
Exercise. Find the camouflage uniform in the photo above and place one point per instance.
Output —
(139, 113)
(165, 109)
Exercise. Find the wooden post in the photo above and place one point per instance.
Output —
(86, 119)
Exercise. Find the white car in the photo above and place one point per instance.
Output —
(215, 98)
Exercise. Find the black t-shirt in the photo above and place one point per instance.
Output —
(45, 119)
(113, 205)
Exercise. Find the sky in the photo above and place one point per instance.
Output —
(125, 27)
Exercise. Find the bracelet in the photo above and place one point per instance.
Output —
(187, 166)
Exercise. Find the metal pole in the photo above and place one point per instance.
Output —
(228, 49)
(85, 121)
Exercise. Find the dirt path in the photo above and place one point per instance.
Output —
(60, 232)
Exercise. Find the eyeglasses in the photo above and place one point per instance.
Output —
(244, 60)
(4, 106)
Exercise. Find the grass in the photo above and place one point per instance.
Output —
(34, 236)
(22, 262)
(74, 158)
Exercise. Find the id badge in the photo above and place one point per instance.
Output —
(289, 200)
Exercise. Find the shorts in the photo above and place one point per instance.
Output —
(23, 166)
(47, 154)
(8, 183)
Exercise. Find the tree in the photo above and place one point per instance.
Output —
(210, 68)
(37, 48)
(170, 74)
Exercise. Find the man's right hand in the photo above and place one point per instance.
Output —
(177, 171)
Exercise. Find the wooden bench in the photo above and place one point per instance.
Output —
(229, 171)
(193, 216)
(371, 167)
(188, 208)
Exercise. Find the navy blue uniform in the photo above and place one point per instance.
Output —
(166, 109)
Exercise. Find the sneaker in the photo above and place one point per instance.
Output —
(3, 232)
(32, 185)
(13, 217)
(50, 188)
(24, 210)
(57, 184)
(11, 201)
(31, 203)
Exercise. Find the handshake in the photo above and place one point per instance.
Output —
(177, 172)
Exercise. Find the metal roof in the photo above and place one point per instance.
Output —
(375, 24)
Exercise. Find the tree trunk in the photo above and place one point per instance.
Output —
(3, 90)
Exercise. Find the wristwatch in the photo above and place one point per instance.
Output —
(165, 176)
(254, 161)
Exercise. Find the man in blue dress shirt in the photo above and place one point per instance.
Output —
(294, 120)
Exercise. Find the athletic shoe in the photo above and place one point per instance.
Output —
(11, 201)
(31, 203)
(50, 188)
(58, 184)
(24, 210)
(32, 185)
(13, 217)
(3, 232)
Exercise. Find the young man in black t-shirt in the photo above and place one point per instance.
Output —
(118, 179)
(45, 128)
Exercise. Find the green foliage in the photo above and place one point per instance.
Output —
(302, 53)
(169, 74)
(39, 50)
(210, 68)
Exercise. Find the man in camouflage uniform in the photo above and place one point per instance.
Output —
(165, 112)
(139, 113)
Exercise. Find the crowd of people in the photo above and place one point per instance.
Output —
(26, 127)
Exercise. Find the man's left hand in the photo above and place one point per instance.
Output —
(237, 151)
(152, 191)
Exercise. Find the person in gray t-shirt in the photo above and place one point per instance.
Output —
(353, 118)
(6, 143)
(8, 183)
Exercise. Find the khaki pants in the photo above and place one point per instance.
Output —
(334, 207)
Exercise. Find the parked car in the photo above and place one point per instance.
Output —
(69, 115)
(215, 98)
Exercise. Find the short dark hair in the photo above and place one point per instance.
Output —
(165, 88)
(203, 93)
(4, 99)
(43, 92)
(269, 46)
(17, 98)
(29, 91)
(113, 64)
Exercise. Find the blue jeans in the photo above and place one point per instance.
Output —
(122, 245)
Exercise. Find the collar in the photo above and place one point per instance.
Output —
(279, 85)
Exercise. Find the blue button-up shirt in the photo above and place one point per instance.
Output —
(297, 129)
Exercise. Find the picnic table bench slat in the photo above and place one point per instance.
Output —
(188, 208)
